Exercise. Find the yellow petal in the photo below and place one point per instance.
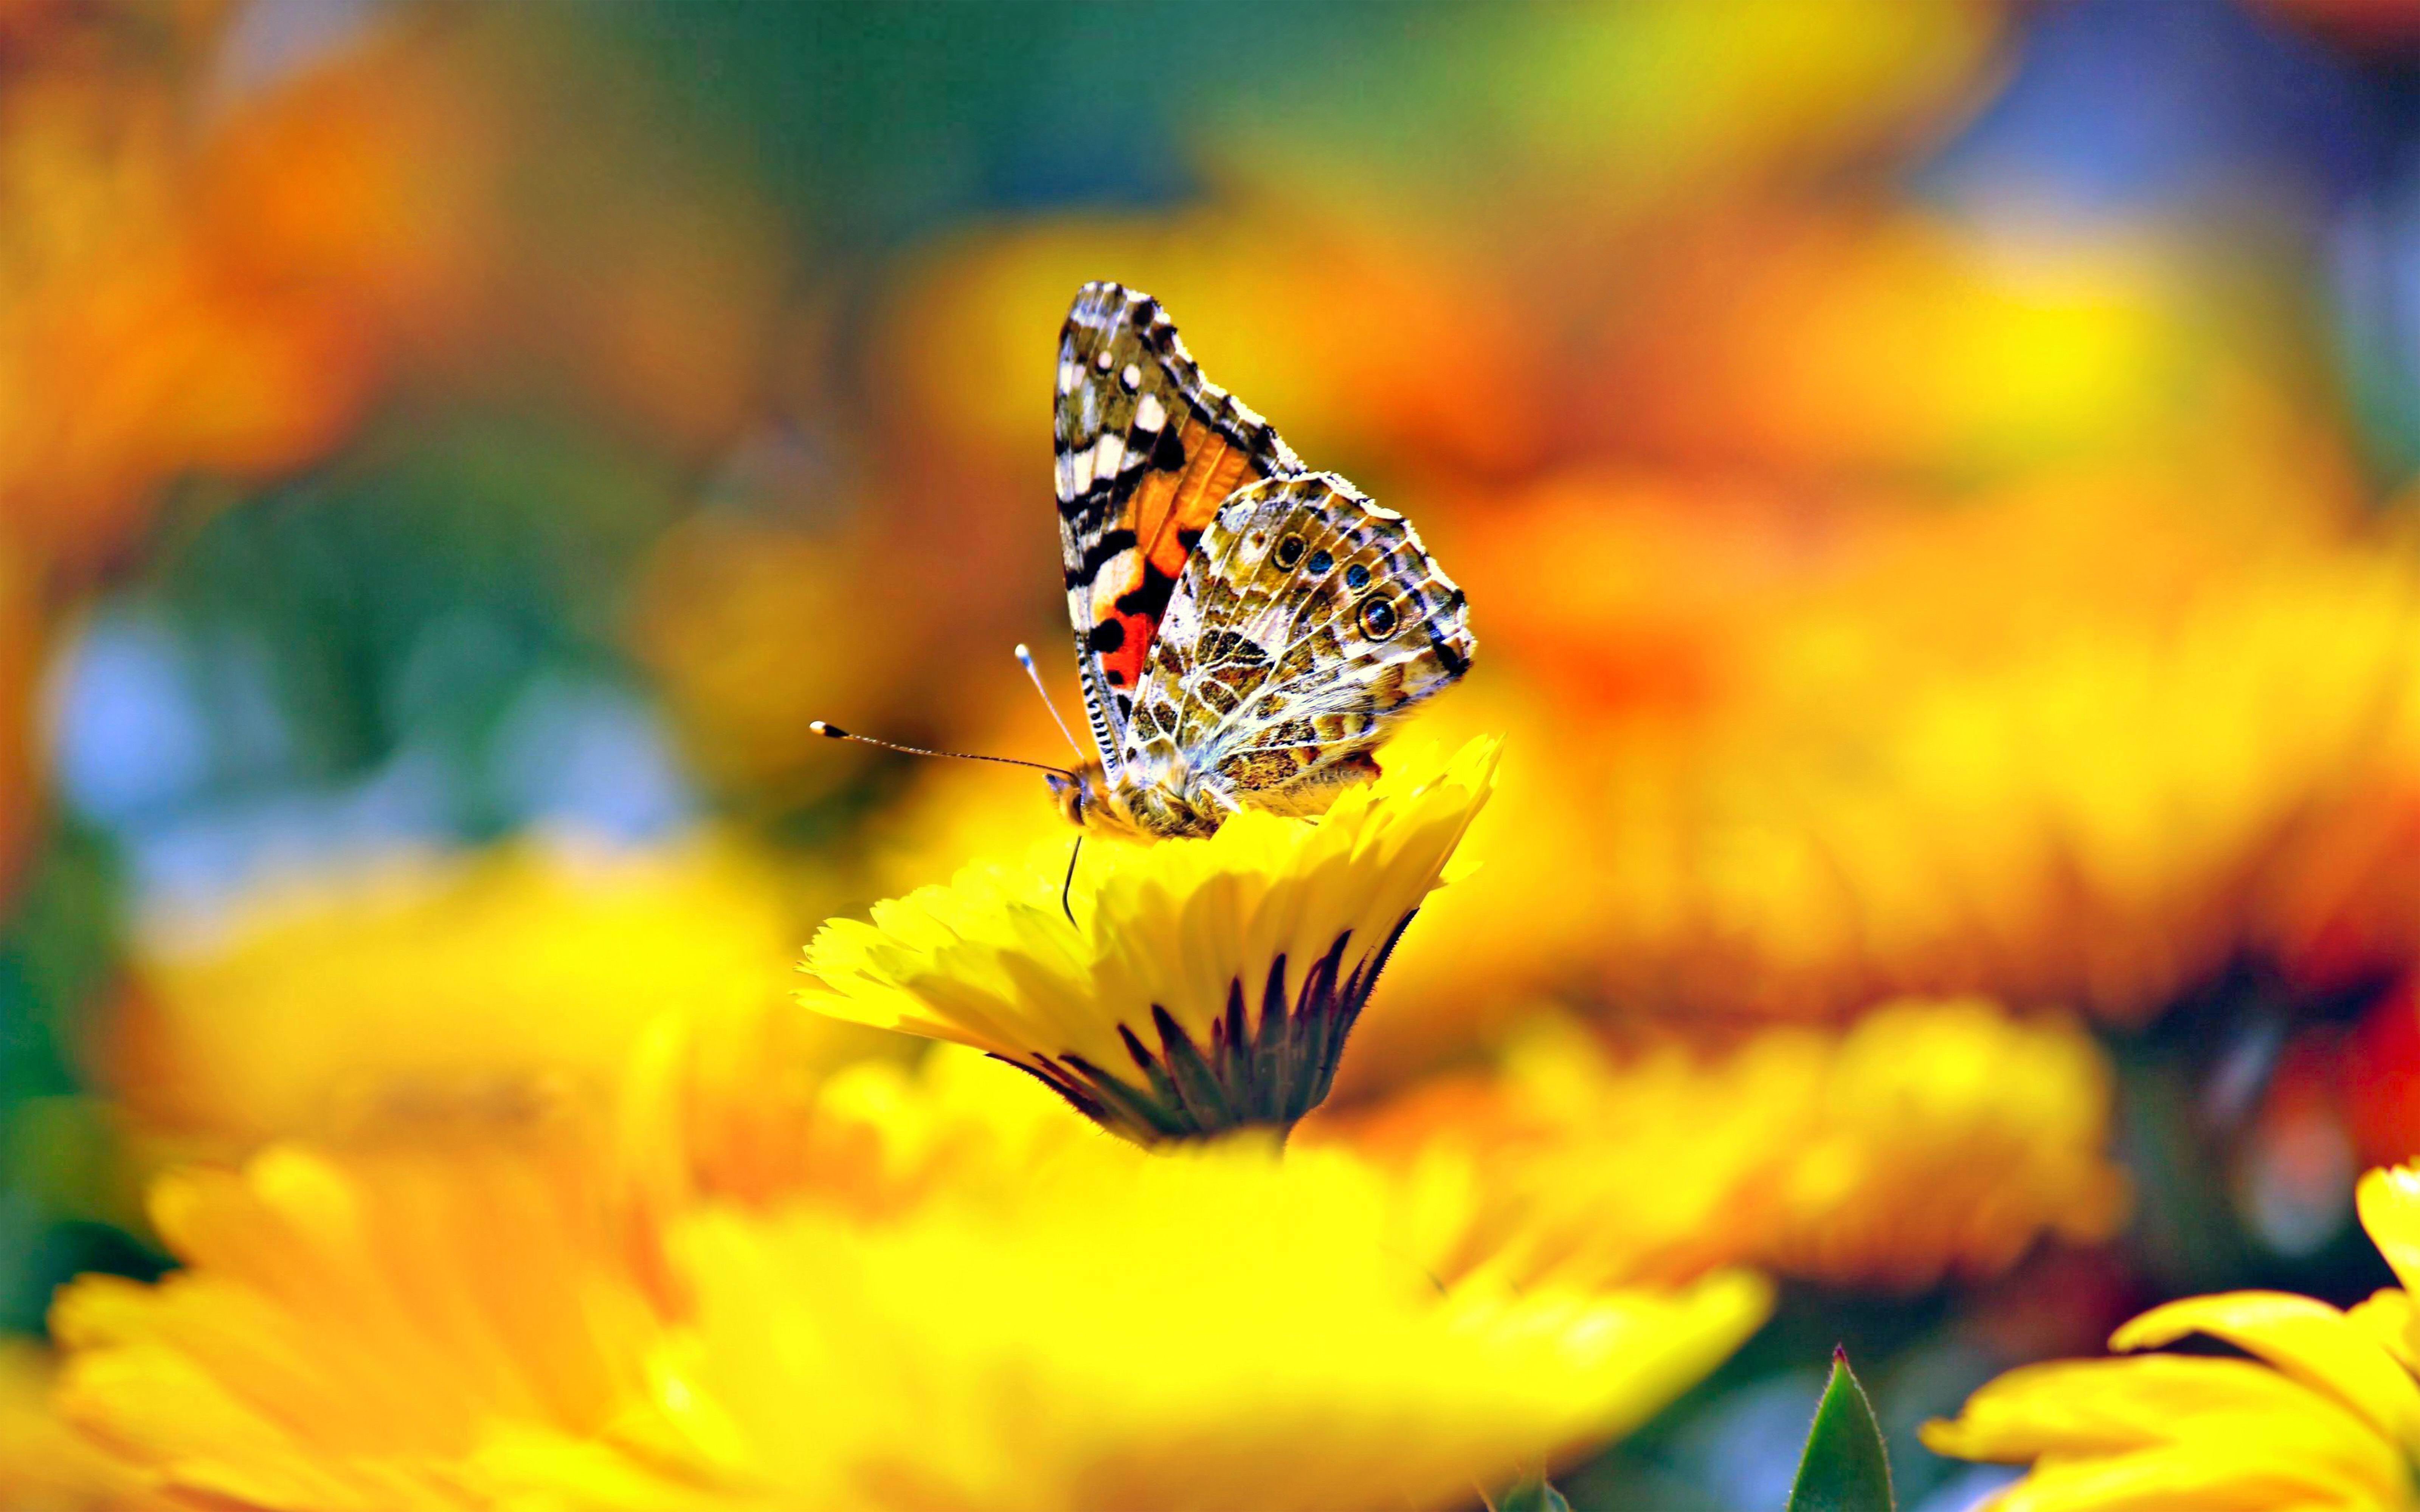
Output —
(2115, 1406)
(2244, 1477)
(2390, 1318)
(2308, 1340)
(2390, 1209)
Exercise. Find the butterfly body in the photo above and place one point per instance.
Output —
(1248, 630)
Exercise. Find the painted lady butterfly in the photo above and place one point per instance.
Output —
(1247, 631)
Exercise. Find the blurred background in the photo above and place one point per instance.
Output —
(1932, 478)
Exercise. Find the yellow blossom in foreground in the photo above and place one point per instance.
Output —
(1193, 1333)
(2326, 1414)
(420, 986)
(351, 1332)
(1929, 1139)
(1050, 1320)
(1200, 985)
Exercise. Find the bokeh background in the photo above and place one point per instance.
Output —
(1932, 478)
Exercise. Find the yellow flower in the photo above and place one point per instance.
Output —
(350, 1331)
(1927, 1140)
(2326, 1413)
(1199, 984)
(1205, 1331)
(1045, 1321)
(418, 986)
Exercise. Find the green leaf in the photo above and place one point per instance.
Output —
(1845, 1468)
(1534, 1496)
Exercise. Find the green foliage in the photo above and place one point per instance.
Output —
(62, 1185)
(58, 950)
(1845, 1468)
(407, 598)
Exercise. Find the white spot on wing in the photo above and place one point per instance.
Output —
(1106, 453)
(1131, 377)
(1150, 415)
(1070, 374)
(1079, 471)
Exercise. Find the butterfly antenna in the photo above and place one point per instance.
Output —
(1068, 887)
(1025, 659)
(832, 732)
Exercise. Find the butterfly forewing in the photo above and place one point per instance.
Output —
(1148, 449)
(1308, 620)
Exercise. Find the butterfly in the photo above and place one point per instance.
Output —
(1247, 631)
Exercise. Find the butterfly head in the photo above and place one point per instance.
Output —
(1082, 794)
(1086, 800)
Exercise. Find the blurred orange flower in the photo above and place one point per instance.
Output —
(205, 276)
(216, 302)
(1780, 342)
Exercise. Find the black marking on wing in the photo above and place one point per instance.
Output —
(1097, 555)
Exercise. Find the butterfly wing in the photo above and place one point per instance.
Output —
(1148, 449)
(1308, 622)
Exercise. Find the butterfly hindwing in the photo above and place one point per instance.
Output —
(1307, 621)
(1148, 449)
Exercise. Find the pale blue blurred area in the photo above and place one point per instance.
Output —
(2131, 109)
(175, 747)
(130, 739)
(2257, 139)
(584, 755)
(1967, 1490)
(1744, 1449)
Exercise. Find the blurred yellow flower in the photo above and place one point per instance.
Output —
(1928, 1141)
(1490, 120)
(411, 987)
(1199, 985)
(2325, 1414)
(955, 1322)
(45, 1465)
(1773, 340)
(1772, 762)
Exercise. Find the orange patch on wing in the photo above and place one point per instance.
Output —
(1168, 503)
(1169, 510)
